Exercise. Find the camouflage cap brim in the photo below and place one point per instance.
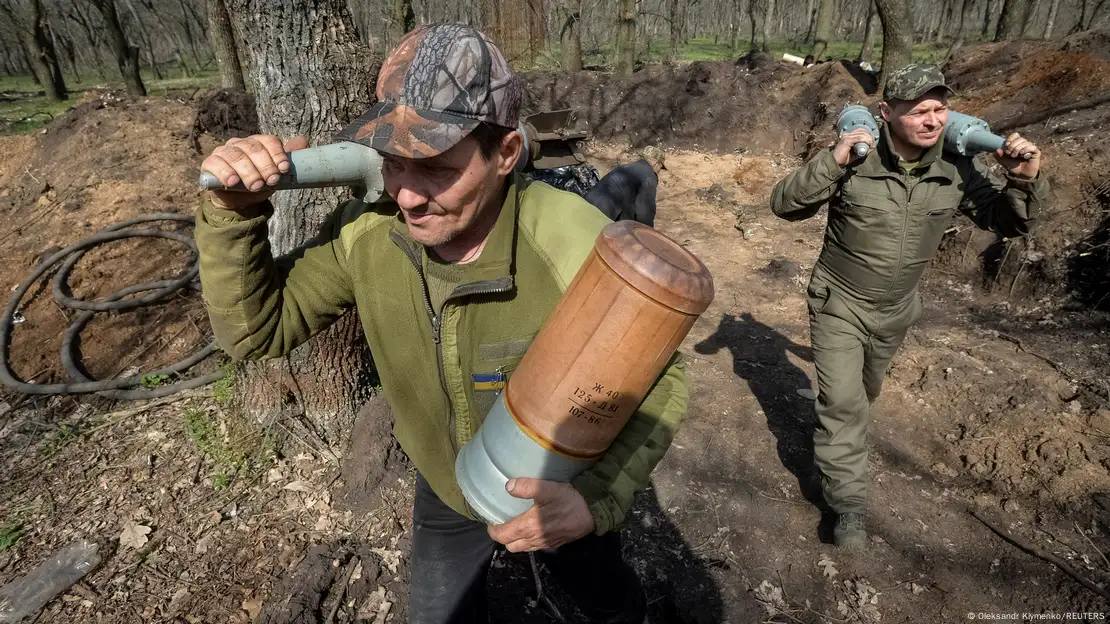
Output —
(913, 94)
(404, 131)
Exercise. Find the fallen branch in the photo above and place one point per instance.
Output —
(540, 595)
(1045, 555)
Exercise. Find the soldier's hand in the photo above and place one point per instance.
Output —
(257, 161)
(559, 516)
(1011, 157)
(843, 152)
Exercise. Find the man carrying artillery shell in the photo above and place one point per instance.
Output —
(887, 214)
(451, 282)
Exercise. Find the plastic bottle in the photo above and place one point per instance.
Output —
(26, 595)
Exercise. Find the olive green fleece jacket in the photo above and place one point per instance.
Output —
(886, 223)
(427, 359)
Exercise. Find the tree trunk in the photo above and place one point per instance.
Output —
(626, 37)
(311, 75)
(1051, 24)
(1030, 17)
(967, 10)
(127, 56)
(675, 27)
(402, 19)
(867, 51)
(223, 44)
(38, 47)
(570, 37)
(1012, 20)
(1092, 15)
(897, 35)
(144, 36)
(768, 21)
(823, 30)
(537, 29)
(92, 35)
(988, 20)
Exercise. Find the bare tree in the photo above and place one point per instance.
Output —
(402, 19)
(967, 10)
(897, 35)
(28, 20)
(223, 43)
(127, 56)
(867, 50)
(1013, 19)
(626, 37)
(823, 30)
(1053, 11)
(768, 22)
(310, 76)
(570, 36)
(1088, 11)
(675, 25)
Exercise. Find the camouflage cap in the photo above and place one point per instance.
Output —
(436, 86)
(914, 81)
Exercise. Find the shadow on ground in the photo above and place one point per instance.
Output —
(759, 356)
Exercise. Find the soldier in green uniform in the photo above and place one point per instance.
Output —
(887, 214)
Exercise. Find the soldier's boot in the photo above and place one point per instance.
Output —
(849, 532)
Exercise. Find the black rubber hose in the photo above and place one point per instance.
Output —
(114, 388)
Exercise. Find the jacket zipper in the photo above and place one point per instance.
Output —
(902, 238)
(487, 287)
(476, 288)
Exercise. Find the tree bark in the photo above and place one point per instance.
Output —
(768, 21)
(402, 19)
(1051, 23)
(626, 37)
(311, 75)
(1012, 20)
(897, 35)
(127, 56)
(223, 44)
(868, 48)
(823, 31)
(570, 37)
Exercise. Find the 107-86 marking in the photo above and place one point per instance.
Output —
(578, 412)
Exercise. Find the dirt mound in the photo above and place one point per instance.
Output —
(752, 106)
(104, 161)
(1058, 95)
(225, 114)
(1094, 42)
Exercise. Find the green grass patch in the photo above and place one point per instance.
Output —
(235, 447)
(151, 382)
(223, 391)
(10, 534)
(24, 109)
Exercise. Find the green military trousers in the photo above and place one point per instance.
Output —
(853, 343)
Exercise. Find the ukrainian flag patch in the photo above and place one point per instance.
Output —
(489, 381)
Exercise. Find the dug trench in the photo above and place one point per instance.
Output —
(996, 404)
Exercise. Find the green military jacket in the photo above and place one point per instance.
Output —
(886, 223)
(430, 360)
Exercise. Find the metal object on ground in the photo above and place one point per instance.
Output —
(966, 135)
(337, 164)
(852, 118)
(604, 346)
